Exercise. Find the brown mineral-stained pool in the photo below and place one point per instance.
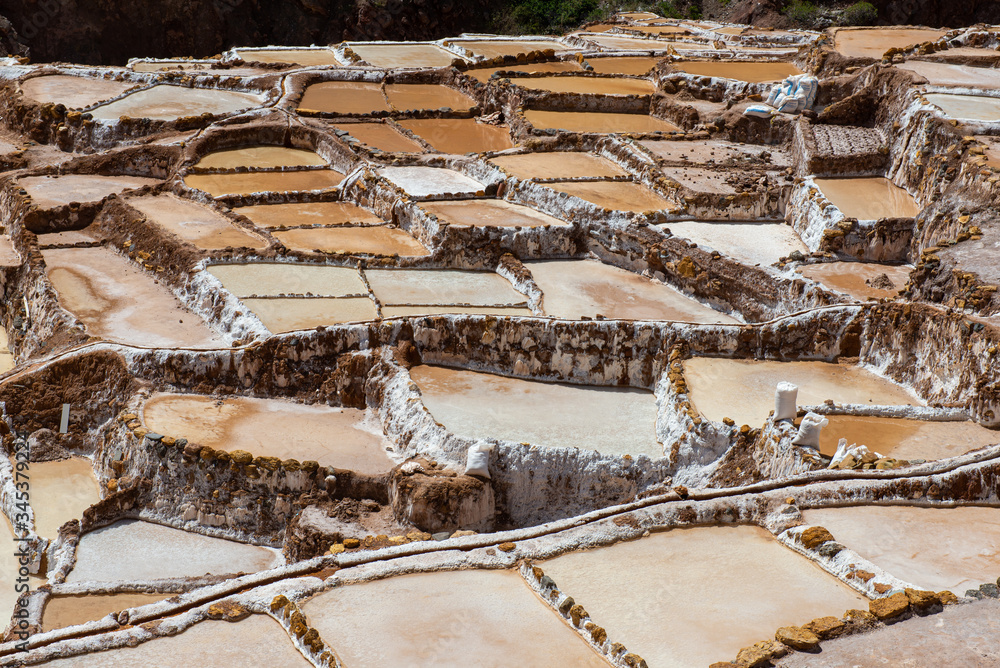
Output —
(353, 240)
(744, 389)
(60, 491)
(442, 287)
(261, 157)
(638, 44)
(616, 195)
(344, 97)
(63, 611)
(407, 311)
(404, 55)
(588, 85)
(246, 183)
(345, 438)
(751, 243)
(382, 136)
(494, 48)
(597, 121)
(634, 65)
(610, 420)
(717, 151)
(869, 198)
(287, 278)
(119, 302)
(137, 550)
(460, 135)
(420, 181)
(573, 289)
(304, 57)
(749, 71)
(906, 439)
(295, 314)
(967, 107)
(276, 216)
(52, 191)
(557, 165)
(426, 96)
(854, 278)
(454, 619)
(71, 91)
(255, 641)
(691, 597)
(9, 571)
(195, 223)
(952, 549)
(946, 74)
(484, 73)
(168, 103)
(490, 213)
(874, 42)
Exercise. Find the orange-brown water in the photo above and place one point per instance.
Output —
(753, 72)
(167, 103)
(192, 222)
(382, 136)
(869, 198)
(484, 73)
(74, 92)
(60, 492)
(495, 48)
(906, 439)
(557, 165)
(426, 96)
(489, 213)
(873, 42)
(623, 65)
(63, 611)
(967, 107)
(601, 122)
(589, 85)
(616, 195)
(404, 55)
(290, 315)
(850, 277)
(304, 57)
(344, 97)
(350, 240)
(460, 135)
(308, 213)
(261, 157)
(401, 287)
(246, 183)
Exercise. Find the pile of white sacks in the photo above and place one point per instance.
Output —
(792, 96)
(786, 408)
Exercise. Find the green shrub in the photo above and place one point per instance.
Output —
(802, 12)
(550, 16)
(860, 14)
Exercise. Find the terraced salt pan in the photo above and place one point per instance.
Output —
(63, 611)
(610, 420)
(703, 180)
(119, 302)
(585, 85)
(716, 151)
(460, 135)
(51, 191)
(750, 243)
(490, 213)
(557, 165)
(307, 213)
(749, 71)
(285, 278)
(596, 121)
(382, 136)
(74, 92)
(967, 107)
(339, 437)
(484, 618)
(691, 597)
(617, 196)
(344, 97)
(494, 48)
(906, 439)
(261, 157)
(168, 103)
(874, 42)
(404, 55)
(426, 96)
(616, 42)
(294, 314)
(194, 223)
(441, 287)
(634, 65)
(946, 74)
(933, 548)
(135, 550)
(484, 73)
(353, 240)
(744, 389)
(60, 492)
(304, 57)
(255, 641)
(9, 568)
(219, 185)
(576, 288)
(407, 311)
(427, 181)
(850, 278)
(869, 198)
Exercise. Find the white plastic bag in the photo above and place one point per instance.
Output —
(809, 430)
(478, 460)
(784, 401)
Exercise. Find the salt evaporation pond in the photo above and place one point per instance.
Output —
(119, 302)
(411, 287)
(339, 437)
(484, 73)
(304, 57)
(427, 96)
(255, 641)
(744, 389)
(293, 314)
(432, 309)
(952, 549)
(750, 243)
(136, 550)
(63, 611)
(490, 619)
(717, 151)
(344, 97)
(382, 136)
(691, 597)
(749, 71)
(617, 195)
(854, 278)
(610, 420)
(60, 491)
(967, 107)
(557, 165)
(490, 213)
(52, 191)
(261, 157)
(631, 65)
(874, 42)
(906, 439)
(168, 103)
(285, 278)
(869, 198)
(947, 74)
(426, 181)
(597, 121)
(386, 241)
(494, 48)
(573, 289)
(404, 55)
(194, 223)
(585, 85)
(72, 91)
(246, 183)
(276, 216)
(460, 135)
